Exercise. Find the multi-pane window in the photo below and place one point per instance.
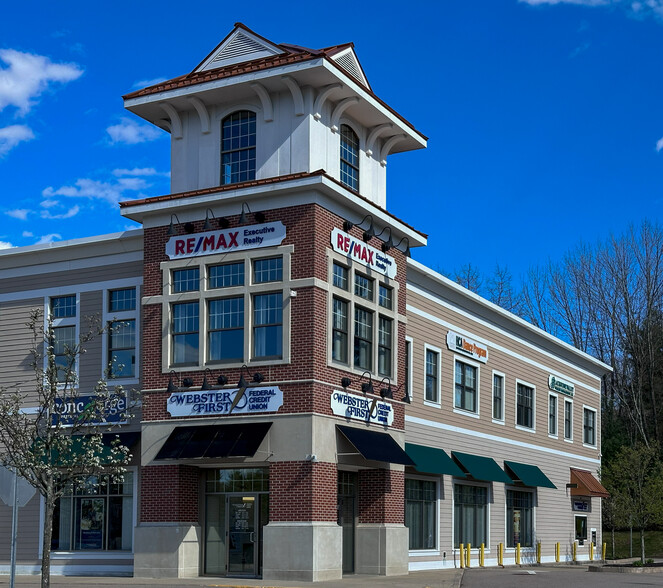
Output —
(95, 515)
(268, 326)
(498, 397)
(122, 300)
(340, 330)
(525, 406)
(268, 270)
(432, 376)
(226, 275)
(363, 344)
(465, 386)
(589, 426)
(408, 369)
(226, 329)
(552, 415)
(238, 147)
(581, 528)
(363, 287)
(186, 280)
(420, 513)
(185, 331)
(63, 306)
(384, 346)
(384, 296)
(64, 350)
(122, 348)
(470, 514)
(519, 518)
(349, 158)
(340, 276)
(568, 419)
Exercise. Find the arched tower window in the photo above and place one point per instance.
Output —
(349, 158)
(238, 147)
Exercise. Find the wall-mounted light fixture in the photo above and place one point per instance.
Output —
(386, 392)
(257, 216)
(188, 227)
(256, 378)
(369, 232)
(367, 387)
(171, 385)
(389, 243)
(347, 225)
(406, 251)
(345, 382)
(206, 385)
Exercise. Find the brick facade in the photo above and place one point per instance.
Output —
(169, 494)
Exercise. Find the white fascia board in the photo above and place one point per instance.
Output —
(364, 95)
(245, 78)
(134, 237)
(522, 323)
(314, 189)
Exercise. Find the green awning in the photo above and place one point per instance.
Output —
(530, 475)
(430, 460)
(481, 468)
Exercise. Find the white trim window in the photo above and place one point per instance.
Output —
(568, 419)
(498, 397)
(363, 319)
(552, 415)
(238, 147)
(421, 510)
(432, 375)
(466, 386)
(589, 426)
(408, 367)
(471, 514)
(121, 318)
(349, 163)
(64, 316)
(525, 406)
(227, 310)
(520, 517)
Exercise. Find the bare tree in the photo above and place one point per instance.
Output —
(500, 291)
(469, 277)
(59, 441)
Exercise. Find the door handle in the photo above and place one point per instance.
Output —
(252, 537)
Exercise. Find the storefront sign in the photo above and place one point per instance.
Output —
(558, 385)
(69, 411)
(582, 505)
(225, 241)
(358, 251)
(359, 408)
(461, 344)
(211, 402)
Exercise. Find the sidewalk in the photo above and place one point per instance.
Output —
(428, 579)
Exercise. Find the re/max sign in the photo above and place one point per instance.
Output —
(236, 239)
(359, 251)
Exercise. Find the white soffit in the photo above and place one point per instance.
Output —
(239, 47)
(348, 61)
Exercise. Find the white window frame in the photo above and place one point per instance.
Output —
(492, 382)
(474, 414)
(515, 403)
(489, 501)
(438, 497)
(596, 435)
(69, 321)
(568, 439)
(535, 503)
(107, 317)
(555, 434)
(438, 352)
(409, 355)
(205, 294)
(372, 306)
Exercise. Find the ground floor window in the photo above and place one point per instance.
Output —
(519, 518)
(95, 514)
(420, 513)
(470, 515)
(581, 529)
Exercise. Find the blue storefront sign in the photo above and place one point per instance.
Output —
(69, 411)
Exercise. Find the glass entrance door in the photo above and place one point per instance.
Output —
(347, 512)
(242, 535)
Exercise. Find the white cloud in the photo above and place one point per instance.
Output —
(139, 171)
(28, 76)
(659, 144)
(139, 85)
(50, 238)
(19, 213)
(6, 245)
(130, 132)
(634, 8)
(13, 135)
(49, 203)
(27, 234)
(73, 211)
(579, 2)
(109, 192)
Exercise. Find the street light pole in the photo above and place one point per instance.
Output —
(12, 572)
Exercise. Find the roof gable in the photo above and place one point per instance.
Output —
(347, 61)
(239, 46)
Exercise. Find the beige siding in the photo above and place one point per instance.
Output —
(91, 364)
(27, 546)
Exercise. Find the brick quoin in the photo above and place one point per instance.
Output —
(381, 496)
(169, 494)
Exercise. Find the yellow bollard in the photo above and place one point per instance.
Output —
(461, 548)
(557, 552)
(538, 552)
(575, 550)
(517, 554)
(467, 555)
(591, 551)
(481, 553)
(500, 559)
(605, 546)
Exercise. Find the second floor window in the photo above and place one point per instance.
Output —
(589, 427)
(466, 387)
(238, 147)
(498, 397)
(525, 406)
(349, 158)
(432, 376)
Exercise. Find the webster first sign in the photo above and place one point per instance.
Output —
(217, 402)
(225, 241)
(359, 251)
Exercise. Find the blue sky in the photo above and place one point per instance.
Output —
(545, 117)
